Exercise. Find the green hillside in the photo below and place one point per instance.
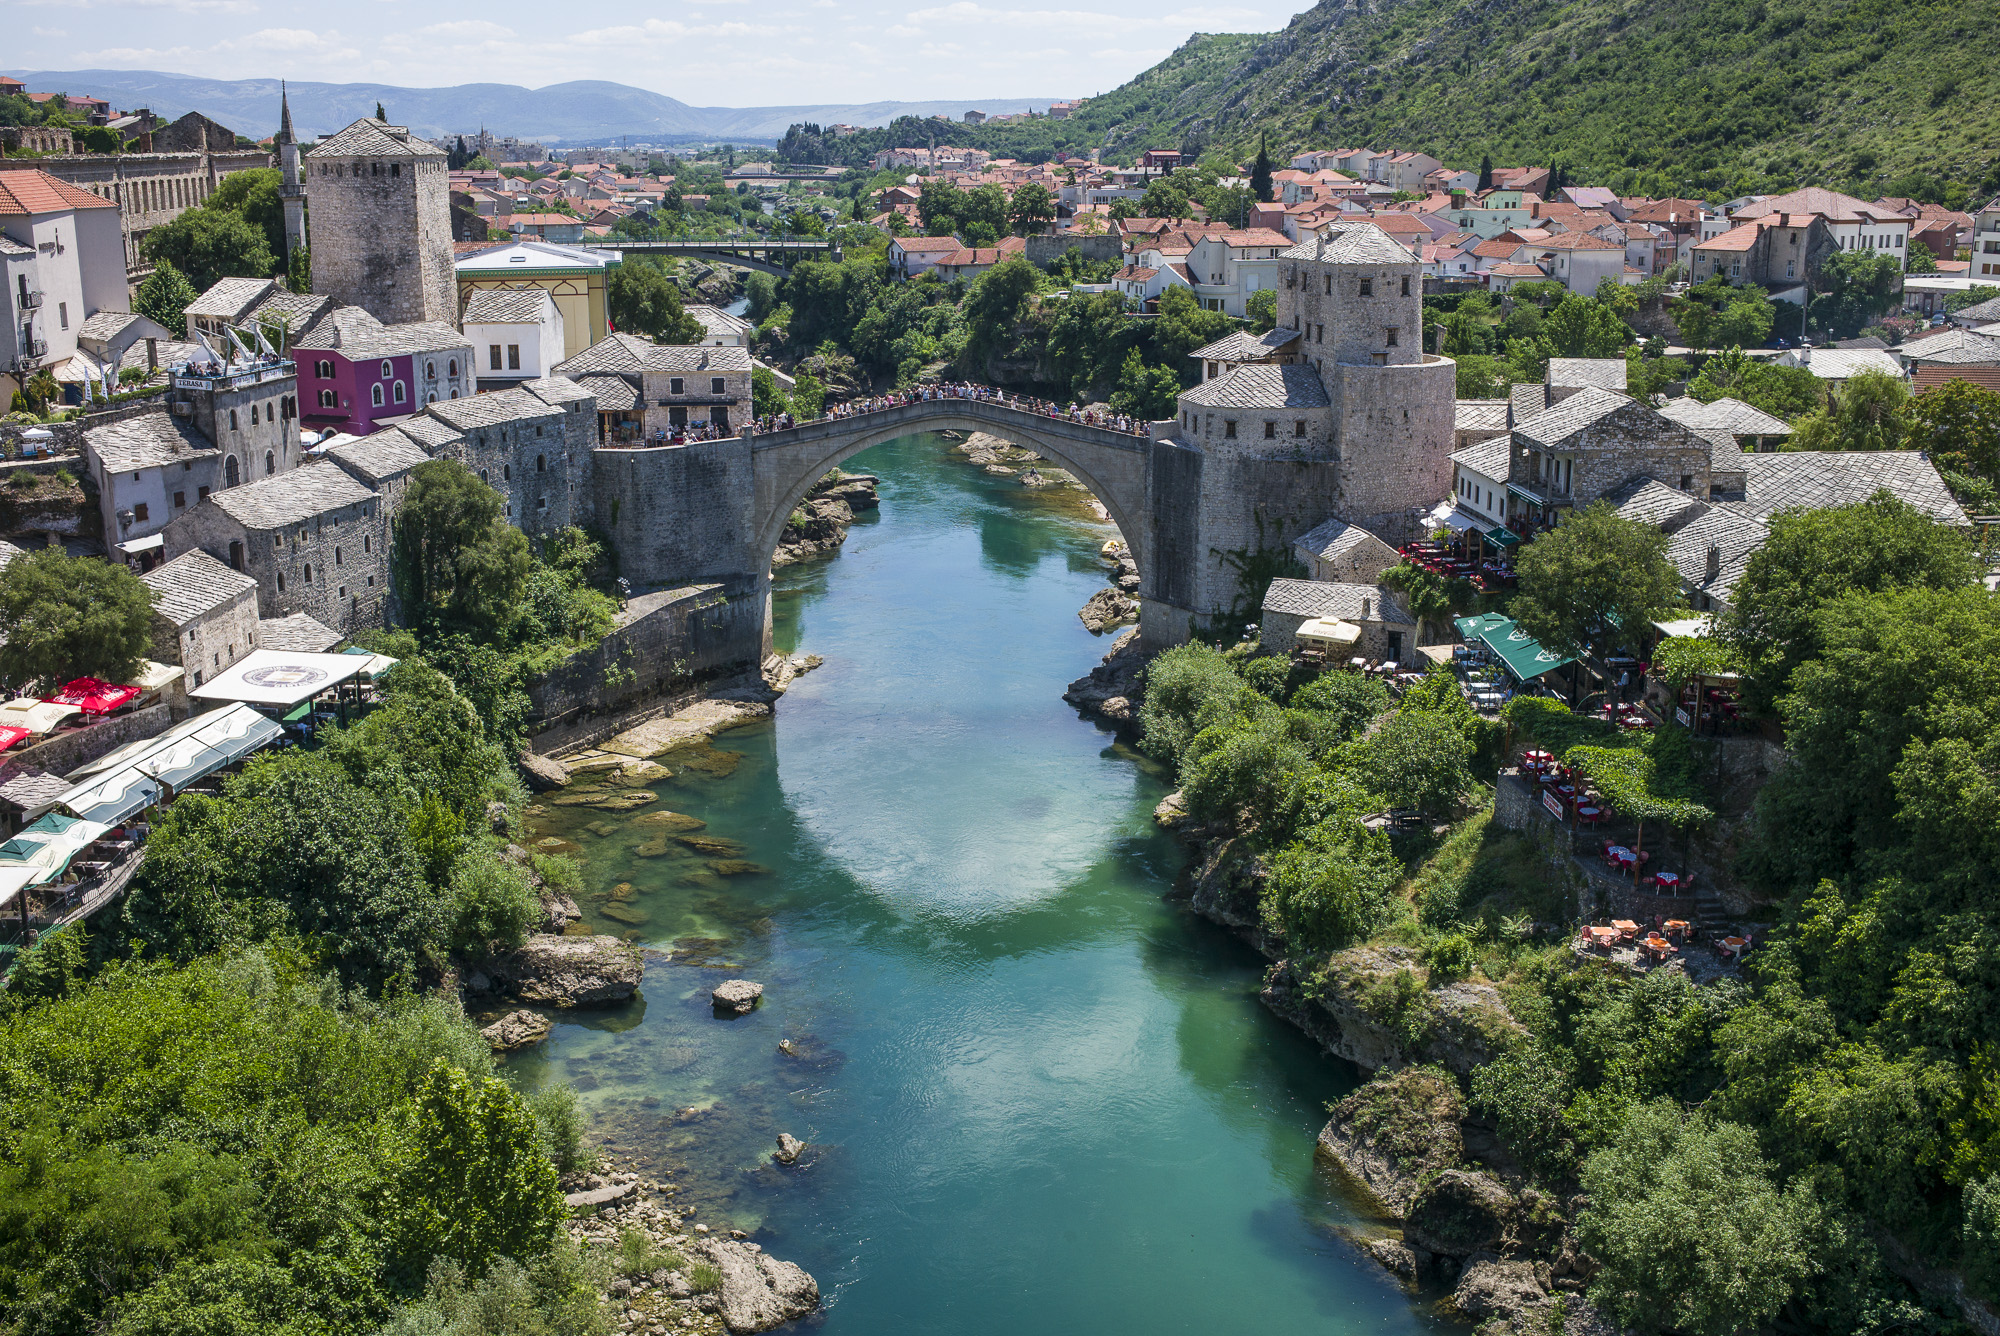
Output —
(1714, 97)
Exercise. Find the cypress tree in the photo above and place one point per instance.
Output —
(1486, 172)
(1260, 173)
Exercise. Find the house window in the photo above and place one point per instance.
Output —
(1406, 285)
(1329, 285)
(506, 473)
(388, 369)
(451, 369)
(541, 464)
(493, 357)
(1229, 428)
(401, 394)
(336, 556)
(1687, 482)
(281, 582)
(375, 394)
(715, 385)
(1391, 332)
(1270, 431)
(326, 399)
(232, 419)
(430, 371)
(1299, 427)
(324, 370)
(278, 541)
(139, 512)
(270, 463)
(201, 493)
(180, 500)
(674, 385)
(513, 357)
(62, 311)
(309, 573)
(1367, 287)
(364, 542)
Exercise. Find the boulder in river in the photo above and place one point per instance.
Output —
(789, 1149)
(1108, 608)
(1395, 1132)
(737, 996)
(1490, 1288)
(571, 971)
(758, 1292)
(541, 773)
(517, 1029)
(1459, 1213)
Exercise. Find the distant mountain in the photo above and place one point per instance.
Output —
(586, 111)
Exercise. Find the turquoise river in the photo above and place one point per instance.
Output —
(1042, 1095)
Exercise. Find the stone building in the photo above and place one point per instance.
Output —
(1337, 551)
(219, 430)
(59, 265)
(314, 540)
(357, 372)
(380, 210)
(1388, 632)
(515, 334)
(518, 445)
(674, 386)
(250, 304)
(204, 614)
(1591, 444)
(381, 461)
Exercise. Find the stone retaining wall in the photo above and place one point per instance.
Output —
(60, 753)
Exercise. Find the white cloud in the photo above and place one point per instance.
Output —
(178, 6)
(466, 28)
(50, 32)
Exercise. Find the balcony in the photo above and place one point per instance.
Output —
(232, 375)
(29, 301)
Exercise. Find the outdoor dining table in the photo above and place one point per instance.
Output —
(1733, 946)
(1675, 928)
(1604, 937)
(1587, 813)
(1667, 880)
(1627, 929)
(1656, 946)
(1623, 855)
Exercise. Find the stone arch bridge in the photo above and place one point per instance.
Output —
(713, 512)
(770, 255)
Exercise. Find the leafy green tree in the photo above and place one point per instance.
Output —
(1981, 1235)
(1332, 887)
(456, 557)
(163, 298)
(1481, 377)
(1958, 424)
(1785, 392)
(1594, 582)
(808, 397)
(66, 617)
(1854, 288)
(1032, 207)
(298, 269)
(1181, 326)
(1419, 759)
(1715, 315)
(642, 298)
(1485, 172)
(210, 244)
(760, 290)
(767, 397)
(1150, 393)
(1813, 557)
(1919, 259)
(1972, 296)
(475, 1185)
(1261, 307)
(1164, 199)
(940, 205)
(993, 309)
(1188, 688)
(1582, 327)
(1865, 413)
(255, 195)
(1690, 1230)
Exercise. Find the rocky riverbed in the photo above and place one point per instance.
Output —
(819, 524)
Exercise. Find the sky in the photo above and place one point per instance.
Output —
(703, 52)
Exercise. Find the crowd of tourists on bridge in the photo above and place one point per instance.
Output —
(930, 392)
(692, 431)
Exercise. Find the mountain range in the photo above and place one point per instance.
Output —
(584, 111)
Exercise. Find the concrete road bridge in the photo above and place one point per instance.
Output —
(773, 256)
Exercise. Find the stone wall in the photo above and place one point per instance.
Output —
(150, 189)
(381, 241)
(333, 567)
(665, 643)
(211, 643)
(1393, 429)
(1045, 251)
(679, 512)
(60, 753)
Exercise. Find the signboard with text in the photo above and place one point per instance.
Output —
(1554, 804)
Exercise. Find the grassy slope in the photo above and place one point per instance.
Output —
(1699, 96)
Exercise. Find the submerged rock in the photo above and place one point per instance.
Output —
(758, 1292)
(541, 773)
(673, 821)
(628, 914)
(1108, 608)
(737, 996)
(711, 845)
(571, 971)
(735, 867)
(517, 1029)
(789, 1149)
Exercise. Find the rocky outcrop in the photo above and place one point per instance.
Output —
(1509, 1291)
(517, 1029)
(789, 1149)
(1118, 677)
(1108, 608)
(737, 997)
(758, 1292)
(1344, 1005)
(567, 971)
(819, 524)
(542, 774)
(1459, 1213)
(1394, 1134)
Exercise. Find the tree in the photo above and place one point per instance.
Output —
(1331, 887)
(1814, 556)
(1594, 583)
(1582, 327)
(1855, 287)
(1865, 413)
(1261, 307)
(642, 298)
(1149, 393)
(993, 308)
(1692, 1233)
(164, 297)
(67, 617)
(380, 114)
(1260, 172)
(1716, 315)
(1419, 759)
(940, 204)
(475, 1184)
(255, 195)
(42, 389)
(456, 557)
(1785, 392)
(1485, 172)
(1164, 199)
(1920, 260)
(1958, 423)
(1032, 206)
(299, 269)
(211, 244)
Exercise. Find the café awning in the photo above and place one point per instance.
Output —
(280, 677)
(376, 665)
(1503, 537)
(15, 878)
(136, 776)
(1523, 654)
(1703, 625)
(94, 695)
(37, 716)
(114, 797)
(1328, 629)
(48, 845)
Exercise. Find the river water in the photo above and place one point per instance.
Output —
(1042, 1096)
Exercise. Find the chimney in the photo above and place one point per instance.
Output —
(1364, 609)
(1714, 564)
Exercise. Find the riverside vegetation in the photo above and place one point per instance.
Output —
(1778, 1148)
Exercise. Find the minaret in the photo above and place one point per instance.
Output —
(293, 190)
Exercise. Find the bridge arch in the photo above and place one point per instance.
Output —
(1113, 465)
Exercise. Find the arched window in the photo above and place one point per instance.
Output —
(253, 415)
(324, 370)
(270, 463)
(231, 473)
(506, 473)
(232, 419)
(430, 371)
(541, 464)
(309, 573)
(431, 397)
(375, 393)
(326, 399)
(454, 392)
(388, 369)
(400, 394)
(364, 543)
(451, 369)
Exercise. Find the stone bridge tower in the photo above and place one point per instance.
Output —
(381, 224)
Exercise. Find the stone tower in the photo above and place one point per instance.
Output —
(381, 224)
(1338, 412)
(292, 191)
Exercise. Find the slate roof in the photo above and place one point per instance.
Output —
(1818, 478)
(718, 322)
(288, 498)
(1489, 458)
(1261, 386)
(428, 432)
(298, 633)
(1480, 415)
(1979, 314)
(231, 299)
(1561, 421)
(1733, 531)
(1241, 345)
(1352, 243)
(1840, 363)
(1953, 347)
(1837, 207)
(555, 389)
(1332, 540)
(1731, 415)
(613, 393)
(1650, 501)
(628, 352)
(505, 306)
(299, 312)
(1324, 598)
(193, 585)
(370, 138)
(490, 410)
(1524, 401)
(147, 441)
(379, 455)
(1605, 373)
(105, 326)
(359, 336)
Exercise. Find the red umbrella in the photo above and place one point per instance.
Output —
(9, 735)
(93, 695)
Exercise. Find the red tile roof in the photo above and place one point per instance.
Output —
(1576, 241)
(1517, 271)
(37, 192)
(1256, 236)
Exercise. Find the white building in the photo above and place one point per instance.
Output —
(721, 329)
(1225, 268)
(62, 256)
(516, 334)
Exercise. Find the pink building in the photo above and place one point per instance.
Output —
(357, 374)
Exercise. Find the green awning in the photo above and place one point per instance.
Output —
(301, 712)
(1473, 628)
(1503, 537)
(1523, 654)
(1532, 498)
